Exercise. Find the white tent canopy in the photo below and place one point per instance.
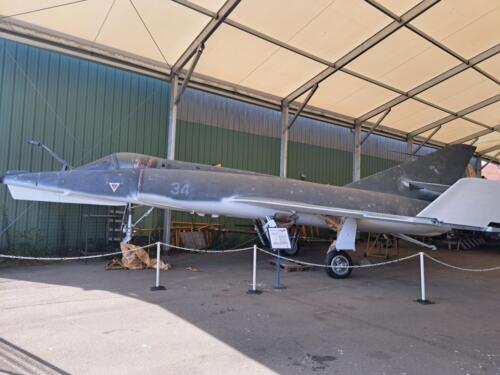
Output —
(429, 70)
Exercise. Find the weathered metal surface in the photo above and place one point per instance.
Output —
(84, 110)
(383, 201)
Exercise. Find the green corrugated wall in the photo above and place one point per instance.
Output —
(84, 111)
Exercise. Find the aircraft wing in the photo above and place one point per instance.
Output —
(304, 208)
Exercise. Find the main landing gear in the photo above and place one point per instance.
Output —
(288, 222)
(338, 261)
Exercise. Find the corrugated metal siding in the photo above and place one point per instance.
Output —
(86, 110)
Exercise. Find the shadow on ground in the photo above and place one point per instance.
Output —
(84, 319)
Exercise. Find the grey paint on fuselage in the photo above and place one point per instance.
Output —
(386, 202)
(207, 192)
(185, 186)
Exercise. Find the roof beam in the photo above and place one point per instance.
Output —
(301, 52)
(459, 114)
(400, 92)
(206, 33)
(430, 39)
(490, 149)
(308, 55)
(452, 53)
(362, 48)
(477, 135)
(433, 82)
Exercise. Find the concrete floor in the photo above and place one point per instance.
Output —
(78, 318)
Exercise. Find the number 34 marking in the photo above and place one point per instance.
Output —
(179, 189)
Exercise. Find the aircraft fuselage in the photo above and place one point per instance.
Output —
(228, 194)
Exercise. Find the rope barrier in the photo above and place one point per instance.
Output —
(20, 257)
(462, 268)
(328, 266)
(221, 251)
(206, 251)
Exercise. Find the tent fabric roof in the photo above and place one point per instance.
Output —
(434, 64)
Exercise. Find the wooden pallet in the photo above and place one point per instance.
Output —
(288, 266)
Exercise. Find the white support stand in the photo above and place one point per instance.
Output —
(157, 285)
(254, 289)
(422, 300)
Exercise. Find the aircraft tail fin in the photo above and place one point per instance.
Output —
(423, 178)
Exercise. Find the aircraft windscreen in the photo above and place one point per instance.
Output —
(105, 163)
(123, 160)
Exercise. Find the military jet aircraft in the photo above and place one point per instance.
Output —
(425, 196)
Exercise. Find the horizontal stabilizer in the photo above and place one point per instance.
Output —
(470, 202)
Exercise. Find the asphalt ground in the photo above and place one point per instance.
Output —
(79, 318)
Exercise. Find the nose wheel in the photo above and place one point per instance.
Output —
(338, 263)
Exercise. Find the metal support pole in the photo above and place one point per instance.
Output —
(284, 141)
(478, 167)
(172, 128)
(278, 272)
(422, 300)
(157, 285)
(254, 273)
(409, 146)
(356, 156)
(172, 116)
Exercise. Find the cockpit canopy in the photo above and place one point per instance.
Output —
(124, 160)
(128, 160)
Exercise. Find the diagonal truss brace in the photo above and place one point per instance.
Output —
(189, 73)
(427, 140)
(489, 161)
(206, 33)
(476, 136)
(301, 108)
(374, 127)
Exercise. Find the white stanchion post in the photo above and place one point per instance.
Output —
(422, 277)
(423, 300)
(157, 285)
(254, 273)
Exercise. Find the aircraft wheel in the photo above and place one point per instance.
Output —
(337, 260)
